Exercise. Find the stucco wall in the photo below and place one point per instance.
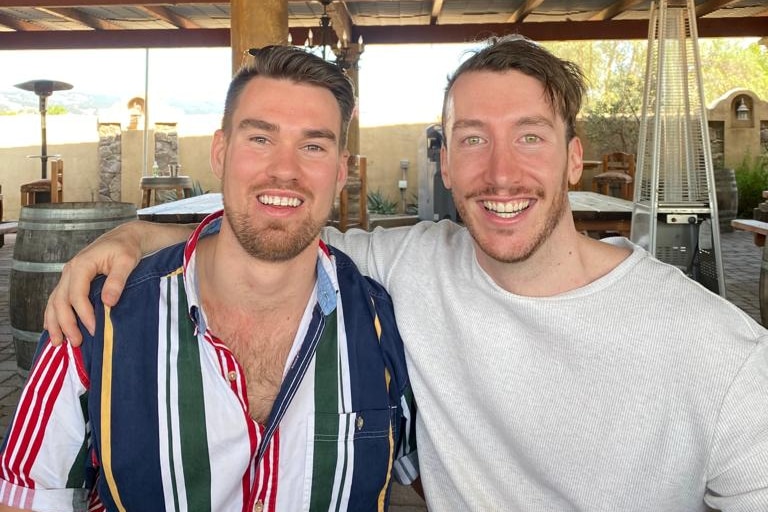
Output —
(742, 138)
(75, 138)
(385, 147)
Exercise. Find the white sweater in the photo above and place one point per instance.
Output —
(639, 392)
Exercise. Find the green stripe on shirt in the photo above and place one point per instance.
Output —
(194, 438)
(326, 415)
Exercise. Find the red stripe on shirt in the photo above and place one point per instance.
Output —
(24, 439)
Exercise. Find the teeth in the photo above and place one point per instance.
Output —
(279, 201)
(506, 209)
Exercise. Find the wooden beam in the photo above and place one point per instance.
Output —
(78, 16)
(168, 16)
(524, 10)
(94, 3)
(614, 10)
(711, 6)
(437, 8)
(96, 39)
(19, 24)
(341, 21)
(554, 31)
(544, 31)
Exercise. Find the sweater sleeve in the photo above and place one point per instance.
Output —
(738, 467)
(42, 462)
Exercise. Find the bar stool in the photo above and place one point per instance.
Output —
(181, 184)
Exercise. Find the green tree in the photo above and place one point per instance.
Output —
(615, 72)
(57, 110)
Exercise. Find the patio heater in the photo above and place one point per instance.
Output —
(43, 89)
(675, 209)
(435, 201)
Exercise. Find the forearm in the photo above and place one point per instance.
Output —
(152, 236)
(115, 254)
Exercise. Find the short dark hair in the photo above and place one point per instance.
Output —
(563, 81)
(294, 64)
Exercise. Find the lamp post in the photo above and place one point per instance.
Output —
(43, 89)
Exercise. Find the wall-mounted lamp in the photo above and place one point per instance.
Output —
(742, 111)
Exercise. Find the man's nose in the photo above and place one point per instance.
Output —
(503, 169)
(284, 164)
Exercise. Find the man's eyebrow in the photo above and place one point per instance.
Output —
(535, 121)
(320, 133)
(523, 121)
(467, 123)
(310, 133)
(258, 123)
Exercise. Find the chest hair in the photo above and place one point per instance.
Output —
(261, 343)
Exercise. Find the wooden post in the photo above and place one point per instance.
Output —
(256, 24)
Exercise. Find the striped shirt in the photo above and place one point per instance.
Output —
(152, 413)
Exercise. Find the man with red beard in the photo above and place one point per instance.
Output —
(252, 368)
(553, 372)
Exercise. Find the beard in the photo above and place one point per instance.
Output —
(487, 241)
(276, 241)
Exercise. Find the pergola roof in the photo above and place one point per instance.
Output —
(36, 24)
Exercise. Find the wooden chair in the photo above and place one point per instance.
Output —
(30, 191)
(617, 177)
(353, 199)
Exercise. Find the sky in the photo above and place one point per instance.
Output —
(398, 83)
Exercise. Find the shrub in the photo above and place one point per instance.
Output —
(379, 203)
(751, 180)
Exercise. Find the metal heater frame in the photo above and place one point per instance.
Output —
(675, 206)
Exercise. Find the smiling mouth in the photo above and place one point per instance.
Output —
(291, 202)
(507, 209)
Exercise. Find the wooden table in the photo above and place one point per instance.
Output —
(183, 211)
(592, 212)
(596, 213)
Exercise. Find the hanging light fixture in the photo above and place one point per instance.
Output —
(342, 51)
(742, 111)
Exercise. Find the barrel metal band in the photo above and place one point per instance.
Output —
(25, 335)
(34, 266)
(77, 213)
(58, 226)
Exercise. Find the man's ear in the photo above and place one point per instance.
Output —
(343, 172)
(444, 166)
(218, 153)
(575, 160)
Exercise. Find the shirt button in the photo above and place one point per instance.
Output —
(232, 376)
(359, 422)
(258, 506)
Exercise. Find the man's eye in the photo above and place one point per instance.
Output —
(258, 139)
(313, 147)
(531, 138)
(473, 140)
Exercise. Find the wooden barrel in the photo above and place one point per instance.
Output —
(48, 235)
(727, 198)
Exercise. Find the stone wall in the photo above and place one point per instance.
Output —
(110, 153)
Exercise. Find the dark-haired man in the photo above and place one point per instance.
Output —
(249, 369)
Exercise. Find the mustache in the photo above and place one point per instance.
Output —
(281, 186)
(508, 191)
